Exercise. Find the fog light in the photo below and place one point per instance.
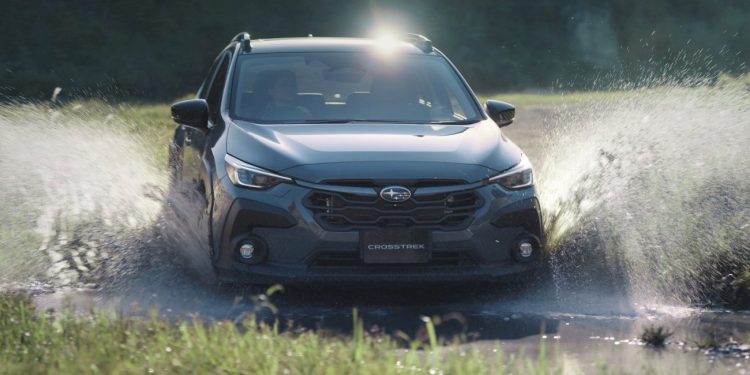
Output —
(525, 249)
(247, 251)
(250, 249)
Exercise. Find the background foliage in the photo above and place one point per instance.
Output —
(159, 49)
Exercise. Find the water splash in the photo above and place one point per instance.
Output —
(651, 186)
(84, 200)
(645, 190)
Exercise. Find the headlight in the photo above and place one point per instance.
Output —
(520, 176)
(243, 174)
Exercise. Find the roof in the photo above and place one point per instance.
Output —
(315, 44)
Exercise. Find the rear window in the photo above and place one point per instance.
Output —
(349, 86)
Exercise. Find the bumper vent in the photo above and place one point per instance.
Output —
(344, 211)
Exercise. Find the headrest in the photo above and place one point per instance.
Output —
(266, 78)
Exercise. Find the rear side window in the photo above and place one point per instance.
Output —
(203, 90)
(216, 89)
(320, 86)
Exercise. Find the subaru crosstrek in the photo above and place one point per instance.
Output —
(342, 160)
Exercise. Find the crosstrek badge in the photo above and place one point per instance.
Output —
(419, 246)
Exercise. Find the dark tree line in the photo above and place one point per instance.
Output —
(159, 49)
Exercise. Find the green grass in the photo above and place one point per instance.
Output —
(549, 98)
(151, 124)
(17, 239)
(35, 342)
(525, 99)
(656, 336)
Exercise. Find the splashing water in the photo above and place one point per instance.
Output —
(83, 199)
(650, 189)
(645, 190)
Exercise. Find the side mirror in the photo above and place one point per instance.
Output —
(193, 113)
(501, 112)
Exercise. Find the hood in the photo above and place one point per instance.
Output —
(317, 152)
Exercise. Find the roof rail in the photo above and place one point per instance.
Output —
(419, 41)
(244, 39)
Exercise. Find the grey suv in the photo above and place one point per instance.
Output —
(342, 160)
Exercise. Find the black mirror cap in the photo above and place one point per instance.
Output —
(501, 112)
(192, 112)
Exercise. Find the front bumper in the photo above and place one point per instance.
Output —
(301, 251)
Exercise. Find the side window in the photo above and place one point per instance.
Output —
(203, 90)
(216, 89)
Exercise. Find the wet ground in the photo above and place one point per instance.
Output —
(584, 331)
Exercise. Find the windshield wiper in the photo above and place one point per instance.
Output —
(461, 122)
(344, 121)
(351, 121)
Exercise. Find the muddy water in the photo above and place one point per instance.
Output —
(645, 200)
(581, 332)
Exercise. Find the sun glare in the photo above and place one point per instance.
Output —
(386, 41)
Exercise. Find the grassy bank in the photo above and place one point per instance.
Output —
(35, 342)
(530, 99)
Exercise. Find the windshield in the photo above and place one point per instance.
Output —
(349, 87)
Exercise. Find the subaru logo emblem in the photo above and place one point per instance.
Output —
(395, 194)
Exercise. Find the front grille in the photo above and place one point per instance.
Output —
(345, 211)
(352, 259)
(415, 183)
